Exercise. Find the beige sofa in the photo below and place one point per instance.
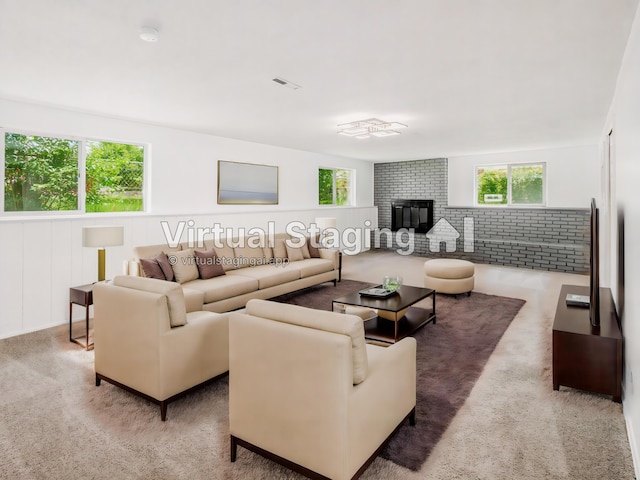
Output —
(146, 343)
(305, 390)
(253, 268)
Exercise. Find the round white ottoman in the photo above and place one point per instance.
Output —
(449, 275)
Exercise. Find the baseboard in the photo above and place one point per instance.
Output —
(633, 444)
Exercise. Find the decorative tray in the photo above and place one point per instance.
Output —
(378, 292)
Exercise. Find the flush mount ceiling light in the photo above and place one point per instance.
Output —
(371, 127)
(149, 34)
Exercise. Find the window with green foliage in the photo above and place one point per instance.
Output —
(514, 184)
(114, 174)
(42, 174)
(335, 186)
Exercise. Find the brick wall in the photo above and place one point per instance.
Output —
(419, 179)
(539, 238)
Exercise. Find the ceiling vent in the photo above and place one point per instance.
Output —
(286, 83)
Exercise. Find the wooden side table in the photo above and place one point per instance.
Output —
(83, 296)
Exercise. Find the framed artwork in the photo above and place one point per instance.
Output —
(247, 183)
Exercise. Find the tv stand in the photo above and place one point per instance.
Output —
(585, 357)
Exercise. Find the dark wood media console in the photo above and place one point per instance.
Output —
(585, 357)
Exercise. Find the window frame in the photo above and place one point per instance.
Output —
(510, 203)
(81, 178)
(352, 186)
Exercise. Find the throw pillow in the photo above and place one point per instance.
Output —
(151, 268)
(279, 249)
(185, 268)
(314, 247)
(294, 253)
(208, 264)
(165, 265)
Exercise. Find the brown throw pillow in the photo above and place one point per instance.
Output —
(208, 264)
(151, 268)
(163, 261)
(313, 247)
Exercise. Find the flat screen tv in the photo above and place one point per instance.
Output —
(594, 268)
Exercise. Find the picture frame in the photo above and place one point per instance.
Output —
(247, 183)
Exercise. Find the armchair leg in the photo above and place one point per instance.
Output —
(98, 380)
(412, 417)
(234, 448)
(163, 410)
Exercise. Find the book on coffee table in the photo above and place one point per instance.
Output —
(378, 291)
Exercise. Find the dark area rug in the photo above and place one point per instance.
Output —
(451, 355)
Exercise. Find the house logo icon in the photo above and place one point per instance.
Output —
(444, 232)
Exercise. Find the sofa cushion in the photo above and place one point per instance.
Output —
(173, 292)
(279, 248)
(184, 266)
(225, 254)
(208, 264)
(269, 275)
(349, 325)
(193, 299)
(249, 254)
(151, 268)
(223, 287)
(312, 266)
(294, 253)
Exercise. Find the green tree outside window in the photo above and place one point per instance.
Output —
(516, 184)
(334, 186)
(41, 174)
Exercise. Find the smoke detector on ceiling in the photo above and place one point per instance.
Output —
(149, 34)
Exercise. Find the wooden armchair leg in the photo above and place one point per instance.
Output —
(163, 410)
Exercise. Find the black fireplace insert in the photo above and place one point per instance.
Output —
(416, 214)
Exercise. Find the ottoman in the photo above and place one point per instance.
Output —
(449, 275)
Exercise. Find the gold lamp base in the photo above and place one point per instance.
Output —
(101, 264)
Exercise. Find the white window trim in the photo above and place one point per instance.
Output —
(509, 202)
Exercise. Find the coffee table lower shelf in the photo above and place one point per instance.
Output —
(383, 330)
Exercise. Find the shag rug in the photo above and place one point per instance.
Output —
(451, 356)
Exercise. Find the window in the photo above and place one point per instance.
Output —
(513, 184)
(335, 186)
(114, 174)
(41, 174)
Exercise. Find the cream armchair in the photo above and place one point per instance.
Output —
(306, 391)
(145, 341)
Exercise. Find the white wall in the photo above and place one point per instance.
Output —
(624, 119)
(41, 257)
(573, 174)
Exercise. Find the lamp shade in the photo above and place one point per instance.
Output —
(325, 222)
(103, 236)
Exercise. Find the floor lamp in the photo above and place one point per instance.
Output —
(102, 236)
(324, 223)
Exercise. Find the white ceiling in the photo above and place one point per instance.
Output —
(466, 76)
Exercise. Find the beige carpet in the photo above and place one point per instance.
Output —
(55, 424)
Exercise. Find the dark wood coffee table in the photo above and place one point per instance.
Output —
(397, 317)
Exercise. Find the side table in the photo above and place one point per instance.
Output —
(83, 296)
